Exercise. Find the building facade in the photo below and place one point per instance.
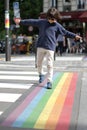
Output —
(74, 13)
(65, 5)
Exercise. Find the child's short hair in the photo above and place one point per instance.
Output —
(53, 13)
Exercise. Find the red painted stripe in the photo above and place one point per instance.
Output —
(64, 120)
(57, 108)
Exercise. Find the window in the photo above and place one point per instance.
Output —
(81, 4)
(67, 0)
(53, 3)
(67, 5)
(67, 8)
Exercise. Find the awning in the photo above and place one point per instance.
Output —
(75, 15)
(83, 17)
(72, 15)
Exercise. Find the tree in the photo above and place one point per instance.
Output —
(28, 9)
(1, 17)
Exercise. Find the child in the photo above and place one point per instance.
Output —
(49, 29)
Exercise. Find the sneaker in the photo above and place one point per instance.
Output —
(41, 78)
(49, 85)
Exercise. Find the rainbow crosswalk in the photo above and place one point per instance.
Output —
(47, 109)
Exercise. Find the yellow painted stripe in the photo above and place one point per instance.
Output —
(57, 108)
(49, 106)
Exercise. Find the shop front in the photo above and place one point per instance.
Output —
(74, 21)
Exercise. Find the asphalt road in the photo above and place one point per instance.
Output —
(19, 77)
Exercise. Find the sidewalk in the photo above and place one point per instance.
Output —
(62, 108)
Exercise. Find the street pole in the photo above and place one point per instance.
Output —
(7, 46)
(53, 3)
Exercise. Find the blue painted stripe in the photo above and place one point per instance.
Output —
(27, 112)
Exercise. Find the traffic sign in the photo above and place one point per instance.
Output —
(16, 9)
(16, 5)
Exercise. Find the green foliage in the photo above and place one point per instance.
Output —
(1, 16)
(28, 9)
(31, 7)
(2, 35)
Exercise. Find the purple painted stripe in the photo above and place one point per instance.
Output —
(14, 115)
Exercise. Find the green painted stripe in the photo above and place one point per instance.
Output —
(30, 122)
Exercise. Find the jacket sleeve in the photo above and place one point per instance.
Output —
(65, 32)
(32, 22)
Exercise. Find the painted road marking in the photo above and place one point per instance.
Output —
(46, 111)
(19, 72)
(44, 108)
(16, 66)
(8, 97)
(13, 117)
(57, 107)
(75, 58)
(15, 85)
(1, 112)
(16, 77)
(67, 108)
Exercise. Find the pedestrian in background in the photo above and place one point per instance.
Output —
(13, 44)
(49, 29)
(60, 41)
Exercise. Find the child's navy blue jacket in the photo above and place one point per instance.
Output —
(48, 32)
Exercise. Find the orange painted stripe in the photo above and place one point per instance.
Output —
(57, 109)
(64, 120)
(43, 118)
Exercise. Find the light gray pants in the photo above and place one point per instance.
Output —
(41, 53)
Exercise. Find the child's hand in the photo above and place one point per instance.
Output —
(78, 37)
(17, 21)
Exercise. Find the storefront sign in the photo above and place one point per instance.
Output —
(67, 16)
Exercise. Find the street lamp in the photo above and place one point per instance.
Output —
(7, 48)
